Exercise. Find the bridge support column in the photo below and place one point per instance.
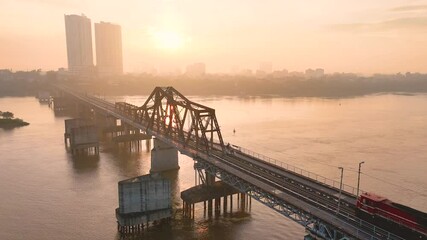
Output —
(217, 206)
(61, 104)
(231, 203)
(99, 120)
(108, 125)
(84, 140)
(83, 111)
(148, 144)
(224, 210)
(163, 157)
(210, 180)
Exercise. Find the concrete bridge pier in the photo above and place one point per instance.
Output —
(81, 137)
(210, 180)
(99, 120)
(244, 202)
(109, 125)
(212, 197)
(71, 124)
(60, 104)
(148, 144)
(142, 200)
(163, 157)
(212, 193)
(131, 139)
(83, 111)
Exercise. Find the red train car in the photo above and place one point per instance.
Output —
(396, 218)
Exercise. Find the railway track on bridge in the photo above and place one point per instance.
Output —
(297, 189)
(294, 185)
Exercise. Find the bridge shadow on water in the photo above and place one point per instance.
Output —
(129, 164)
(222, 227)
(84, 163)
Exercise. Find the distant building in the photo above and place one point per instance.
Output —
(318, 73)
(295, 74)
(266, 67)
(280, 73)
(79, 44)
(196, 70)
(260, 74)
(6, 75)
(234, 70)
(246, 72)
(108, 39)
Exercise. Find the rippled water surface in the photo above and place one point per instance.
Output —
(45, 194)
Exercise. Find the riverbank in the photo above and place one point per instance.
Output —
(336, 85)
(329, 86)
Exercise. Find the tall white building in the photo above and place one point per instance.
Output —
(79, 44)
(108, 40)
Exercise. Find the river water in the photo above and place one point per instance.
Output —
(46, 194)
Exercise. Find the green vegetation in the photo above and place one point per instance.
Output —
(7, 121)
(6, 115)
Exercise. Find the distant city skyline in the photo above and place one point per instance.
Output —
(384, 36)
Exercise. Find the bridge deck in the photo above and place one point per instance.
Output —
(305, 182)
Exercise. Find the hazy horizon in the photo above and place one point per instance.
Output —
(385, 36)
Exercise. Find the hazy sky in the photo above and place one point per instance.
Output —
(363, 36)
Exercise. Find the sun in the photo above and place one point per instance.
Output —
(170, 40)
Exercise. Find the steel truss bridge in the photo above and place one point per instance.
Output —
(192, 128)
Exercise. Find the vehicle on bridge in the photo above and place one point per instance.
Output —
(394, 217)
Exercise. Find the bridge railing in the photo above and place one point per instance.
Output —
(300, 171)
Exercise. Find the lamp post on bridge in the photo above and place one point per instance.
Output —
(358, 177)
(339, 196)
